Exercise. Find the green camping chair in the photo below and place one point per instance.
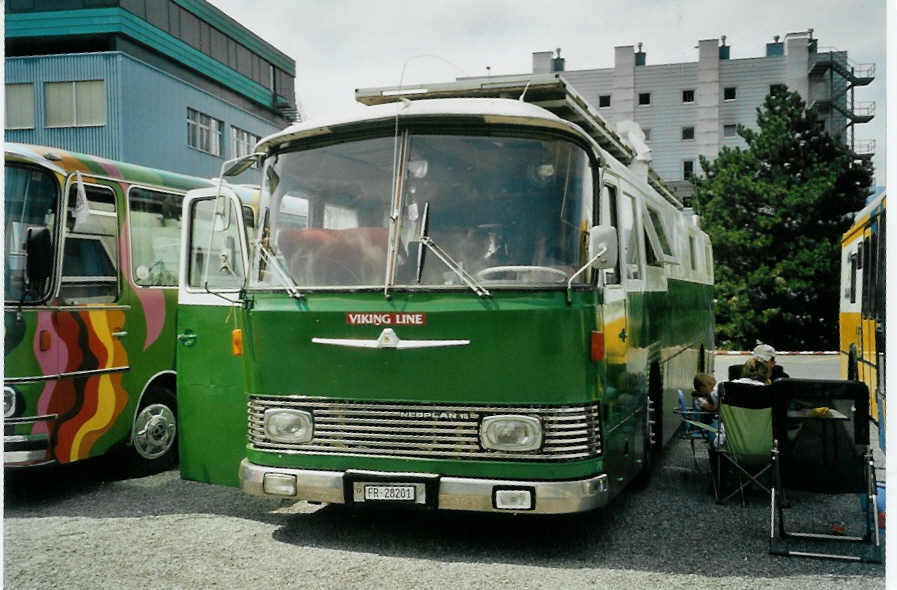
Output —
(744, 445)
(821, 446)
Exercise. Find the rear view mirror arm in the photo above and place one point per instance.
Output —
(601, 252)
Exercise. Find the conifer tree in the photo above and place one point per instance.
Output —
(775, 212)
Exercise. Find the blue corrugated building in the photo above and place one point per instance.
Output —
(172, 84)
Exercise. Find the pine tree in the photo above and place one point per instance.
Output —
(775, 212)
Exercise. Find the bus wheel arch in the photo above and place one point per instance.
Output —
(153, 440)
(653, 434)
(655, 407)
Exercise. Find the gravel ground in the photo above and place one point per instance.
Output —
(68, 528)
(81, 526)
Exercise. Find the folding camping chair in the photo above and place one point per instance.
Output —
(697, 425)
(821, 446)
(744, 445)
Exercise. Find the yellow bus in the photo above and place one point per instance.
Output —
(862, 308)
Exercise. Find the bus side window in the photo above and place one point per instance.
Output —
(708, 259)
(853, 278)
(655, 246)
(881, 271)
(631, 239)
(651, 256)
(222, 266)
(612, 276)
(691, 253)
(868, 275)
(90, 251)
(155, 220)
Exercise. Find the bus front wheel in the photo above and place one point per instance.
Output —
(154, 434)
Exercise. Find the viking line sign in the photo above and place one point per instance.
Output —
(386, 319)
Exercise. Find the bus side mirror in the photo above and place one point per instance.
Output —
(39, 252)
(603, 247)
(239, 165)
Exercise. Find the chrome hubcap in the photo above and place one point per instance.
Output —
(154, 431)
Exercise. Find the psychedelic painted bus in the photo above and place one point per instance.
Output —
(90, 285)
(862, 309)
(460, 304)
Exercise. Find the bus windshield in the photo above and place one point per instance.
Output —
(509, 211)
(32, 200)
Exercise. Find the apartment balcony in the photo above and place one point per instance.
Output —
(856, 74)
(864, 149)
(862, 112)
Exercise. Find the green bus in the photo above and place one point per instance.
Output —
(457, 304)
(92, 249)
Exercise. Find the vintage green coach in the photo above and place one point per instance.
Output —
(454, 304)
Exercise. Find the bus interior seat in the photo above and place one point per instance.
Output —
(355, 256)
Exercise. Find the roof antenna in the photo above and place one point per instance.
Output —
(525, 88)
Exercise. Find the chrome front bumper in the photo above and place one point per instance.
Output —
(27, 450)
(453, 493)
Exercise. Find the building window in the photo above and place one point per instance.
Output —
(75, 104)
(644, 98)
(20, 106)
(688, 169)
(204, 132)
(604, 101)
(688, 133)
(242, 143)
(778, 89)
(688, 96)
(729, 130)
(647, 133)
(729, 93)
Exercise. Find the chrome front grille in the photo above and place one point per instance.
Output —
(434, 431)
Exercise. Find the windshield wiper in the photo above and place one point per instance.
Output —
(442, 255)
(273, 261)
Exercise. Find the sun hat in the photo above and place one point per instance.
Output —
(764, 352)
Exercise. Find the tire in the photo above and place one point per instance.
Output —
(154, 444)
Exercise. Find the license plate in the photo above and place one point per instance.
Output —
(389, 493)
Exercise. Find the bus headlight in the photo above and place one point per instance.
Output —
(289, 426)
(9, 401)
(511, 433)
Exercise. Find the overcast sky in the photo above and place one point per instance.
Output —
(341, 45)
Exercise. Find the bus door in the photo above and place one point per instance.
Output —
(90, 324)
(622, 430)
(871, 324)
(211, 393)
(31, 355)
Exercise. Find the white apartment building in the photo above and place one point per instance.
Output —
(693, 109)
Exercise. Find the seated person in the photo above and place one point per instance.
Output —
(705, 396)
(767, 353)
(755, 372)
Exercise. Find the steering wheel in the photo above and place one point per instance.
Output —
(489, 270)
